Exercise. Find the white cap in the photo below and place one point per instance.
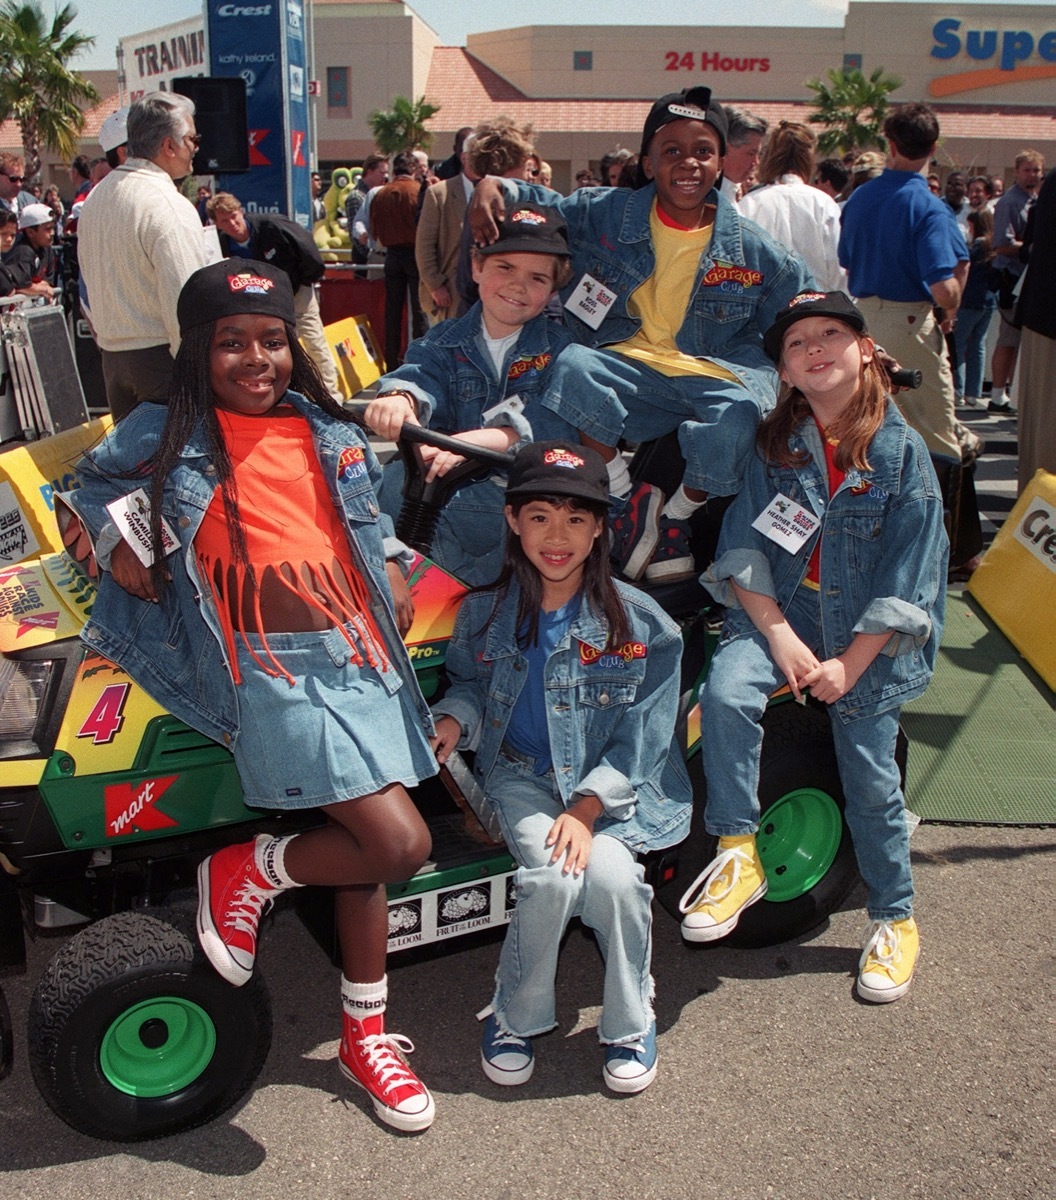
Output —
(35, 214)
(114, 130)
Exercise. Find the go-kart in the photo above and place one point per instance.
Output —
(108, 803)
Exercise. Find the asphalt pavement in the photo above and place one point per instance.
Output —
(774, 1080)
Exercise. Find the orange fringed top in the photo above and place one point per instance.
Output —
(305, 576)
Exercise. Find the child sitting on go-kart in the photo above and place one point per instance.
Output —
(483, 377)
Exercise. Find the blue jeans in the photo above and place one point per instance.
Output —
(608, 396)
(611, 897)
(969, 338)
(741, 677)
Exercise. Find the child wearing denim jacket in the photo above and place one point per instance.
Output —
(566, 684)
(670, 294)
(483, 377)
(832, 564)
(272, 627)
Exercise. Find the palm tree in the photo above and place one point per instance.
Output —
(853, 110)
(37, 87)
(403, 126)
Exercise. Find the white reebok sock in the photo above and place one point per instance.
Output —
(361, 1000)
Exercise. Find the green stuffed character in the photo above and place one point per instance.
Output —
(330, 235)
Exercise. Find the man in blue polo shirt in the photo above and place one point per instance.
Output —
(907, 261)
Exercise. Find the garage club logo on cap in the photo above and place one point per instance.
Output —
(811, 304)
(559, 469)
(234, 287)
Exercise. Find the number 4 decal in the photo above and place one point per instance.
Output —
(107, 716)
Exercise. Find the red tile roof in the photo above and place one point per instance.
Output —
(470, 92)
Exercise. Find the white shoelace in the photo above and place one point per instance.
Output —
(380, 1052)
(881, 943)
(698, 889)
(245, 910)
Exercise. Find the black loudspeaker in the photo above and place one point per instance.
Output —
(220, 117)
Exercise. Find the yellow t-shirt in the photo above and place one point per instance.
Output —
(662, 300)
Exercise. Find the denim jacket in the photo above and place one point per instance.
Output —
(882, 565)
(175, 649)
(610, 716)
(451, 375)
(743, 280)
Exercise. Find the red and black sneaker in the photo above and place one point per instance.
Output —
(672, 559)
(232, 897)
(635, 531)
(374, 1059)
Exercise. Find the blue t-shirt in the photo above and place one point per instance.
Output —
(527, 731)
(897, 239)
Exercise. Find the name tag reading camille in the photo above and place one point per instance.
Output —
(787, 523)
(590, 301)
(131, 515)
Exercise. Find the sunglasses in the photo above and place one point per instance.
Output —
(194, 138)
(14, 178)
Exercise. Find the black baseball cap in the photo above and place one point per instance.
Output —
(530, 229)
(231, 287)
(811, 304)
(559, 469)
(693, 104)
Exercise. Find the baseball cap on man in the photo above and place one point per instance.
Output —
(35, 214)
(530, 229)
(811, 304)
(114, 130)
(693, 104)
(234, 287)
(559, 469)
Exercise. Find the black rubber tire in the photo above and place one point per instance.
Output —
(7, 1039)
(104, 971)
(798, 753)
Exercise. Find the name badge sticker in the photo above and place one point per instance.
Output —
(510, 404)
(787, 523)
(131, 515)
(590, 301)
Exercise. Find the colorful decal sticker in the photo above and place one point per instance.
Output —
(437, 596)
(104, 722)
(87, 711)
(131, 807)
(17, 539)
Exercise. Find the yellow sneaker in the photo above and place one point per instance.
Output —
(888, 958)
(724, 889)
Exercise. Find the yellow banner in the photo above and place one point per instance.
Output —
(1016, 581)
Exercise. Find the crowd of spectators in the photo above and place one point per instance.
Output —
(411, 216)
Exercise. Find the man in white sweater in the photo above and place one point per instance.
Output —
(139, 239)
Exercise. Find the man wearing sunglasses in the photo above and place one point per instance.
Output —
(139, 240)
(13, 197)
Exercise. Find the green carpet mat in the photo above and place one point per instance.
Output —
(981, 744)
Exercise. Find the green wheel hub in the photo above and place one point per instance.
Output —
(157, 1047)
(797, 841)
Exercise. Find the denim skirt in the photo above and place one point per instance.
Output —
(341, 729)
